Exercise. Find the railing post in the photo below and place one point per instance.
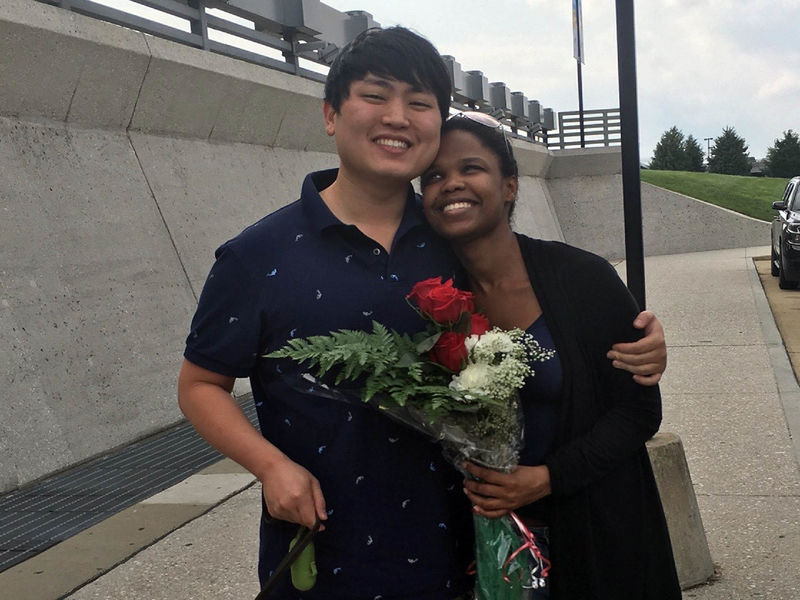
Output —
(291, 55)
(199, 26)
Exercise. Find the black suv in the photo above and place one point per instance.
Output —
(786, 237)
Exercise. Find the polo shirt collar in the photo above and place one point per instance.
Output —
(321, 217)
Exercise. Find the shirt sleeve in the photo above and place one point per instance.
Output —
(627, 414)
(226, 328)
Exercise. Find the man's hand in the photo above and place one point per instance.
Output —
(497, 493)
(646, 358)
(293, 494)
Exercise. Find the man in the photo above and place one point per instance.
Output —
(396, 522)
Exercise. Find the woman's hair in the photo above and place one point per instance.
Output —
(494, 139)
(395, 52)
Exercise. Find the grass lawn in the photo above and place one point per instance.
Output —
(752, 196)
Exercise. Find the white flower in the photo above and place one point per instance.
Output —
(474, 377)
(490, 344)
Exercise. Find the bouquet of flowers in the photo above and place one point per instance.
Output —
(456, 382)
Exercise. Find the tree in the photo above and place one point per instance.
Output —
(693, 155)
(669, 154)
(783, 157)
(729, 154)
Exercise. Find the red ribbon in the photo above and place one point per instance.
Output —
(529, 543)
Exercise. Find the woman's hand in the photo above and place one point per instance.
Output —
(646, 358)
(496, 494)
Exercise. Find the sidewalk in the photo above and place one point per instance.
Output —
(729, 393)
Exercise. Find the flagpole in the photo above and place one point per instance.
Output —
(577, 24)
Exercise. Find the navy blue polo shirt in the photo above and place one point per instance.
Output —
(399, 525)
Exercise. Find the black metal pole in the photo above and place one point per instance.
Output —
(579, 59)
(580, 104)
(631, 179)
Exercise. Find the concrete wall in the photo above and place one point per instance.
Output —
(535, 213)
(587, 199)
(124, 161)
(106, 238)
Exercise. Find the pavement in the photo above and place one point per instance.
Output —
(730, 393)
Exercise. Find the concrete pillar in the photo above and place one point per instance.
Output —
(689, 545)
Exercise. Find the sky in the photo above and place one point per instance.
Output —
(702, 65)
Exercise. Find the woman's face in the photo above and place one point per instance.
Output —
(464, 194)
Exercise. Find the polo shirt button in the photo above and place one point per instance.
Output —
(376, 251)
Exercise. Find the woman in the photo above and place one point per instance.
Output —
(584, 478)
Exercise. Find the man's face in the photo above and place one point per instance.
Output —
(385, 130)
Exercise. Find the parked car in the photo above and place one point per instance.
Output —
(785, 234)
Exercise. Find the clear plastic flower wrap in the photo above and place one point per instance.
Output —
(457, 383)
(503, 572)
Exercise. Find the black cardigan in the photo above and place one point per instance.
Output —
(609, 537)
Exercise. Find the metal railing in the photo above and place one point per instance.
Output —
(301, 37)
(277, 34)
(600, 128)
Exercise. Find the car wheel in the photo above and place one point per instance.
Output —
(773, 263)
(783, 282)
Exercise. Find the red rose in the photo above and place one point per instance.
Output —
(479, 324)
(441, 301)
(450, 350)
(422, 288)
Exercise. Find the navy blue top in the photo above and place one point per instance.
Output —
(399, 524)
(540, 400)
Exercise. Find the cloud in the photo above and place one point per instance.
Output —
(701, 64)
(785, 85)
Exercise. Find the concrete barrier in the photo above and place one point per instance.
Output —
(587, 199)
(58, 65)
(689, 545)
(674, 224)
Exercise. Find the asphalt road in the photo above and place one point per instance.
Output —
(785, 305)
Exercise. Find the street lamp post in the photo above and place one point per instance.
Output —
(708, 150)
(629, 124)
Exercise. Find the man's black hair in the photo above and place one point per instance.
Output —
(395, 52)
